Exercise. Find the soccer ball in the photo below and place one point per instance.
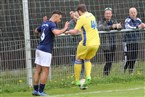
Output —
(82, 81)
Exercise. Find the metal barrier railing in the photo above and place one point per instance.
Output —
(13, 57)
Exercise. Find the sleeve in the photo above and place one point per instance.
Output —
(79, 24)
(139, 20)
(53, 26)
(103, 26)
(128, 24)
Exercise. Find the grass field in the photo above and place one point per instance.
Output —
(133, 88)
(117, 84)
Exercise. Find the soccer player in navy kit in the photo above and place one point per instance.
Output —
(43, 54)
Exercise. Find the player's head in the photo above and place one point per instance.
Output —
(108, 13)
(133, 12)
(45, 18)
(81, 9)
(57, 16)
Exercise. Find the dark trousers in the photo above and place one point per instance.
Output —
(109, 55)
(130, 56)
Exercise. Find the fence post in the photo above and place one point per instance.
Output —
(27, 42)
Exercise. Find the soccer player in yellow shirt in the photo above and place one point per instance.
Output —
(89, 44)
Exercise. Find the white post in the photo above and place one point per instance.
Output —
(0, 64)
(27, 42)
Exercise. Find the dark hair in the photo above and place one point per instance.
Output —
(57, 12)
(82, 8)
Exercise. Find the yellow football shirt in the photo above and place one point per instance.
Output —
(87, 24)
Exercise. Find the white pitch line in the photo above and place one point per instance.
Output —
(95, 92)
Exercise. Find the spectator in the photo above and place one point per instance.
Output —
(131, 39)
(74, 16)
(108, 39)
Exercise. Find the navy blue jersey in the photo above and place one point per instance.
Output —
(133, 35)
(132, 24)
(46, 36)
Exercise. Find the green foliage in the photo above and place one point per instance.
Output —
(68, 82)
(126, 89)
(118, 79)
(10, 88)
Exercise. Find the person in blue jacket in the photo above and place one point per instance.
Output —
(131, 39)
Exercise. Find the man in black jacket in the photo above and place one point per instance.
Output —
(108, 39)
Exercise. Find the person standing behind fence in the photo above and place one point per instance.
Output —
(43, 54)
(89, 44)
(131, 39)
(108, 39)
(74, 16)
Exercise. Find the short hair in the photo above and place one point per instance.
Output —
(57, 12)
(82, 8)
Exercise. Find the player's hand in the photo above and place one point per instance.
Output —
(66, 25)
(66, 32)
(36, 31)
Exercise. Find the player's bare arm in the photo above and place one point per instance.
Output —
(44, 19)
(73, 31)
(58, 32)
